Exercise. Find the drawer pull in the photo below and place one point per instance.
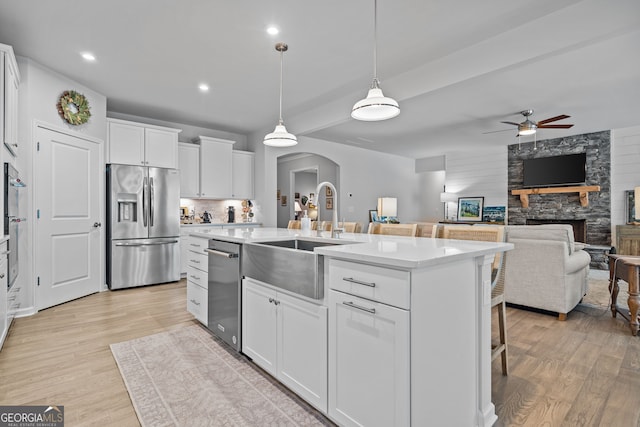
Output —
(194, 277)
(359, 307)
(359, 282)
(195, 302)
(195, 261)
(194, 245)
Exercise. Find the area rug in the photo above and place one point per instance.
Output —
(598, 293)
(187, 377)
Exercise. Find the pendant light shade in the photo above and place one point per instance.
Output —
(280, 137)
(375, 106)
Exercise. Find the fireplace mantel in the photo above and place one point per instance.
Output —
(582, 189)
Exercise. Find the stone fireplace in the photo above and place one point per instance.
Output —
(592, 223)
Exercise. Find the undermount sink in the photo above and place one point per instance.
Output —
(303, 245)
(287, 264)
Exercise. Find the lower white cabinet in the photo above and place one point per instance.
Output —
(197, 278)
(197, 302)
(287, 337)
(369, 362)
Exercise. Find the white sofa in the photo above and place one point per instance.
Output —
(547, 269)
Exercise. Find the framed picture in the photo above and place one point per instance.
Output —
(373, 215)
(283, 199)
(470, 208)
(328, 192)
(329, 202)
(297, 196)
(630, 206)
(494, 214)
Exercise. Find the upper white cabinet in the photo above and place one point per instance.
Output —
(216, 165)
(9, 83)
(189, 161)
(211, 169)
(133, 143)
(242, 182)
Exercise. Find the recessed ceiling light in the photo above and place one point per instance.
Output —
(88, 56)
(203, 87)
(273, 30)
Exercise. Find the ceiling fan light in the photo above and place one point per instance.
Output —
(527, 128)
(375, 107)
(280, 137)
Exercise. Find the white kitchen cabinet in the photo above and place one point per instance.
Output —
(134, 143)
(9, 84)
(242, 182)
(4, 315)
(287, 337)
(189, 165)
(197, 282)
(216, 165)
(369, 351)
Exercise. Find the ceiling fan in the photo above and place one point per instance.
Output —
(529, 127)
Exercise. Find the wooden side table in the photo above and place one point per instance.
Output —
(626, 268)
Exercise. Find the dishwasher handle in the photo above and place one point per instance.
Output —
(221, 253)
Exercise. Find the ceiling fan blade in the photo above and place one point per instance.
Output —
(553, 119)
(511, 123)
(496, 131)
(554, 126)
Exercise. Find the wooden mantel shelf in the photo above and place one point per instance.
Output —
(582, 189)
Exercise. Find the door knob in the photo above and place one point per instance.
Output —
(97, 224)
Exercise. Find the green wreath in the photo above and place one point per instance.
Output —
(74, 107)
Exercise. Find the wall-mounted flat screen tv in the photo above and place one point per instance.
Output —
(570, 169)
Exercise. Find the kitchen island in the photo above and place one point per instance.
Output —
(400, 336)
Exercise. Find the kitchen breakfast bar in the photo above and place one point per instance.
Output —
(389, 331)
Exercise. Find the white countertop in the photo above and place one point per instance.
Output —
(396, 251)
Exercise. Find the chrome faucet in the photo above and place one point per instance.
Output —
(335, 231)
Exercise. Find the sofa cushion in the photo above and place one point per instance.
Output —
(558, 232)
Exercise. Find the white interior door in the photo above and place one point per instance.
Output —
(68, 184)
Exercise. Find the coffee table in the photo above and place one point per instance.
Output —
(627, 268)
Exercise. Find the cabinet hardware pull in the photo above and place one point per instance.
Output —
(195, 302)
(359, 307)
(359, 282)
(195, 244)
(222, 253)
(2, 276)
(195, 261)
(270, 299)
(194, 277)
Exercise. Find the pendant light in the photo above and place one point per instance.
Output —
(375, 106)
(280, 137)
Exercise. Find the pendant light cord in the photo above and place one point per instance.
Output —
(375, 44)
(280, 118)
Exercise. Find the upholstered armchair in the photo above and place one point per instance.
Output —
(547, 269)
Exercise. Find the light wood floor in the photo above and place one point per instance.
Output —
(582, 372)
(61, 355)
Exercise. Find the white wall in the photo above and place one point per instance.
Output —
(480, 173)
(364, 176)
(39, 91)
(625, 171)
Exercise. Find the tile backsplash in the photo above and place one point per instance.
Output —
(217, 208)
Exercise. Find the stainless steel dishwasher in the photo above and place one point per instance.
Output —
(224, 291)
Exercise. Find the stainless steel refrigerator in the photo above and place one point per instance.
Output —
(143, 225)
